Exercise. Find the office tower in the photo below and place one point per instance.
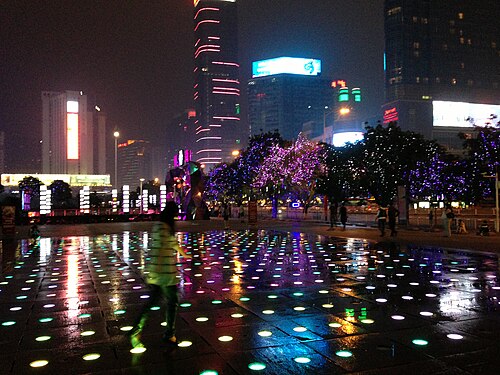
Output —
(2, 152)
(217, 87)
(134, 162)
(180, 136)
(442, 63)
(285, 93)
(73, 134)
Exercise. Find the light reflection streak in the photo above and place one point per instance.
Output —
(126, 246)
(72, 280)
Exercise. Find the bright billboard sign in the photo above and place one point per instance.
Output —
(464, 115)
(47, 179)
(72, 141)
(286, 65)
(341, 139)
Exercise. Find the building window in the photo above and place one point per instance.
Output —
(426, 80)
(453, 81)
(469, 42)
(460, 16)
(416, 45)
(462, 40)
(417, 79)
(452, 22)
(445, 47)
(493, 45)
(393, 11)
(462, 65)
(416, 53)
(470, 82)
(425, 21)
(415, 19)
(438, 80)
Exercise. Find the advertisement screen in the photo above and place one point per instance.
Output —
(464, 115)
(288, 65)
(341, 139)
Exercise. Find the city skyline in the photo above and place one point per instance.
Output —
(137, 62)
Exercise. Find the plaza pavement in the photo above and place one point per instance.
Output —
(271, 298)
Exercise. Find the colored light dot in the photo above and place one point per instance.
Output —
(87, 333)
(225, 338)
(39, 363)
(237, 316)
(367, 321)
(454, 336)
(299, 308)
(184, 344)
(272, 296)
(398, 317)
(91, 357)
(209, 372)
(119, 312)
(216, 302)
(8, 323)
(381, 300)
(323, 292)
(155, 308)
(265, 333)
(45, 320)
(185, 305)
(298, 294)
(302, 360)
(126, 328)
(420, 342)
(22, 297)
(300, 329)
(17, 308)
(430, 295)
(202, 319)
(344, 353)
(426, 313)
(335, 325)
(138, 350)
(83, 316)
(268, 312)
(327, 306)
(256, 366)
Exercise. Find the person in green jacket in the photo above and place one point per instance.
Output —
(161, 275)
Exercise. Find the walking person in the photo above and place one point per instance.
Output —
(447, 216)
(162, 275)
(381, 218)
(343, 214)
(393, 214)
(226, 209)
(333, 214)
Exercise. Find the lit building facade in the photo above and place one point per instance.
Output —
(218, 128)
(69, 128)
(134, 162)
(180, 136)
(440, 51)
(285, 93)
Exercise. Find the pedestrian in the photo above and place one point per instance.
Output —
(461, 228)
(333, 214)
(392, 214)
(484, 229)
(226, 209)
(161, 275)
(447, 216)
(343, 214)
(381, 218)
(431, 218)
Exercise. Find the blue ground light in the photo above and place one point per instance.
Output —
(251, 302)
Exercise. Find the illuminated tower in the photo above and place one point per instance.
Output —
(217, 86)
(69, 126)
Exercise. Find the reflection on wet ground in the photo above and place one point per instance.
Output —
(251, 302)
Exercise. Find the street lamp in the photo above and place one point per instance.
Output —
(116, 135)
(141, 180)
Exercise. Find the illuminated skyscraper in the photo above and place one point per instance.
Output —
(135, 162)
(217, 86)
(69, 127)
(445, 51)
(285, 93)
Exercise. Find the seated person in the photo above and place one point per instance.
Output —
(461, 226)
(484, 229)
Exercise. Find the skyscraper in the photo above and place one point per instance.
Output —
(440, 51)
(285, 93)
(73, 134)
(135, 162)
(218, 128)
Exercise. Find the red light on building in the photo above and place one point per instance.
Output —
(339, 83)
(391, 115)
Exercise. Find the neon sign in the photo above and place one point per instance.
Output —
(391, 115)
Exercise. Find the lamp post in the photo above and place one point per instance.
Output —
(116, 135)
(141, 180)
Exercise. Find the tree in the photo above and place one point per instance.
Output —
(61, 194)
(389, 156)
(30, 186)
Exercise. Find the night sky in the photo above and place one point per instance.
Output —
(135, 57)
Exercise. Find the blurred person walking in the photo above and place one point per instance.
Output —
(343, 214)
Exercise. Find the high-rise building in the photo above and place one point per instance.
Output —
(286, 92)
(217, 87)
(134, 162)
(73, 134)
(441, 55)
(180, 136)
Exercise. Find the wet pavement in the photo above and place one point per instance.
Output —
(252, 302)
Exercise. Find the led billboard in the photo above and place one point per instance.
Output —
(72, 131)
(341, 139)
(286, 65)
(464, 115)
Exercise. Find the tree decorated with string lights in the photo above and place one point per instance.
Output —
(220, 184)
(290, 172)
(388, 158)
